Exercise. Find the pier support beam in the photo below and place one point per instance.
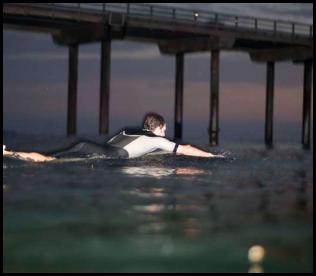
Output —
(214, 99)
(269, 105)
(178, 97)
(105, 86)
(307, 104)
(72, 89)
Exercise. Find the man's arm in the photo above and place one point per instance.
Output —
(32, 156)
(193, 151)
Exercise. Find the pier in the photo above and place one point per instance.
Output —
(177, 32)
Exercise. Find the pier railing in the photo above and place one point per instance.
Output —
(184, 16)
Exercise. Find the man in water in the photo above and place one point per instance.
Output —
(128, 143)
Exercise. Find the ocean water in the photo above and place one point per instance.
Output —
(159, 213)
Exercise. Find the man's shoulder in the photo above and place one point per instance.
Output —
(138, 131)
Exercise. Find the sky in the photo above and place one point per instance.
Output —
(35, 73)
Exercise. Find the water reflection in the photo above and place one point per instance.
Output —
(144, 171)
(157, 218)
(302, 202)
(255, 268)
(191, 227)
(152, 221)
(147, 192)
(5, 186)
(167, 210)
(152, 208)
(152, 227)
(210, 198)
(160, 172)
(264, 202)
(189, 171)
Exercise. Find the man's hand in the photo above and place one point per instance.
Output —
(5, 152)
(217, 155)
(193, 151)
(31, 156)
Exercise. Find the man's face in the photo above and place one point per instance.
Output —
(161, 130)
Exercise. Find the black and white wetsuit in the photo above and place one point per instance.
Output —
(85, 149)
(128, 143)
(137, 142)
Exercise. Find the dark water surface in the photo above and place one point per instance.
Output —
(161, 213)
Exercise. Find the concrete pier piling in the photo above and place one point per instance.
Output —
(269, 105)
(307, 104)
(72, 89)
(178, 96)
(214, 99)
(105, 86)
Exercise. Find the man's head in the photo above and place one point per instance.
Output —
(155, 123)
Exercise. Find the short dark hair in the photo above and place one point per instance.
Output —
(153, 120)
